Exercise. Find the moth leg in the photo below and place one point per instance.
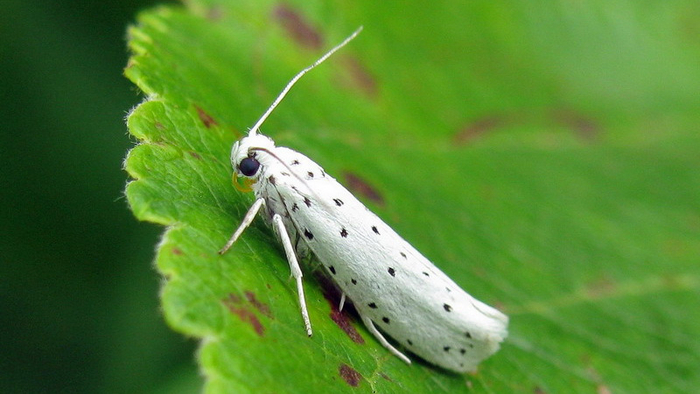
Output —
(247, 220)
(342, 303)
(370, 326)
(294, 266)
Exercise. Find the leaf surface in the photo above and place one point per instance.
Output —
(535, 154)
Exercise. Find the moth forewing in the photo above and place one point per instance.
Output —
(389, 281)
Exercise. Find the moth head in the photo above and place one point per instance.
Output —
(246, 157)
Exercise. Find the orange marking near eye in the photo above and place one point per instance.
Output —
(242, 184)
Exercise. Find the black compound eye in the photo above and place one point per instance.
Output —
(249, 166)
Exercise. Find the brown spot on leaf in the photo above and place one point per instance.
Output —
(359, 186)
(177, 251)
(195, 155)
(477, 128)
(297, 27)
(260, 306)
(601, 287)
(342, 320)
(538, 390)
(235, 304)
(215, 13)
(349, 375)
(361, 76)
(584, 127)
(603, 389)
(207, 119)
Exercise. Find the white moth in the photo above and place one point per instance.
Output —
(394, 288)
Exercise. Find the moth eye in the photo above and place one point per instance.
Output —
(248, 166)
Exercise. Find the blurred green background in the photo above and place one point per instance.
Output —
(78, 292)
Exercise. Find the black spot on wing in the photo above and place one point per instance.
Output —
(446, 348)
(385, 320)
(307, 201)
(308, 234)
(403, 255)
(338, 201)
(332, 269)
(271, 179)
(374, 228)
(410, 342)
(310, 174)
(392, 271)
(344, 233)
(372, 305)
(295, 163)
(447, 307)
(295, 207)
(462, 351)
(354, 281)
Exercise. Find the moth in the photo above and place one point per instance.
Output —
(394, 288)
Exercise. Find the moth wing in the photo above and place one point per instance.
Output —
(387, 279)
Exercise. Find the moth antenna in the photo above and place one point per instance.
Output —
(254, 130)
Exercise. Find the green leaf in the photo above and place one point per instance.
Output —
(544, 156)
